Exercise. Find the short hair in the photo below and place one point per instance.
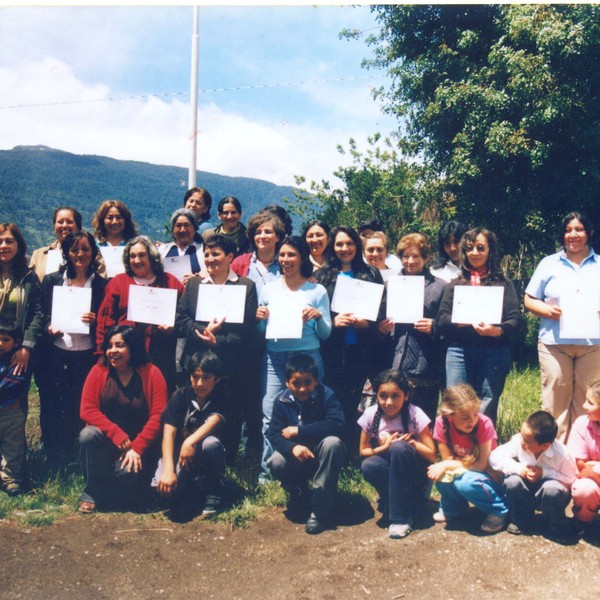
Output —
(12, 329)
(218, 240)
(583, 219)
(374, 224)
(130, 229)
(20, 261)
(283, 216)
(189, 214)
(208, 362)
(230, 200)
(205, 196)
(73, 239)
(450, 229)
(133, 342)
(493, 264)
(153, 254)
(76, 215)
(265, 216)
(318, 223)
(300, 245)
(594, 392)
(301, 363)
(377, 235)
(418, 240)
(543, 426)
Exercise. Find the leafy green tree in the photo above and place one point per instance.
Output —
(503, 103)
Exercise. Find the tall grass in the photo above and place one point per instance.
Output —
(55, 494)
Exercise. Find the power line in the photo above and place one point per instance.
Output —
(205, 91)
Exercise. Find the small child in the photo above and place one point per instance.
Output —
(12, 418)
(538, 473)
(191, 446)
(396, 445)
(305, 431)
(584, 445)
(465, 438)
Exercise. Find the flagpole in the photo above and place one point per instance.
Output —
(194, 99)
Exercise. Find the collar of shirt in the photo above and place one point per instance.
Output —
(206, 278)
(87, 284)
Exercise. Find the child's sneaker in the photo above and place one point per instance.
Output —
(211, 506)
(493, 523)
(397, 531)
(13, 489)
(439, 516)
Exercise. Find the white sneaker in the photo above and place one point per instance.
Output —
(397, 531)
(493, 523)
(439, 516)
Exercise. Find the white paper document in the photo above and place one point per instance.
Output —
(155, 306)
(361, 298)
(406, 298)
(54, 260)
(478, 304)
(69, 304)
(285, 316)
(579, 317)
(218, 301)
(113, 259)
(178, 266)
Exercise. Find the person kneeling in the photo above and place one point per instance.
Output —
(192, 447)
(305, 430)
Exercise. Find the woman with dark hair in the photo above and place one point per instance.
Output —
(113, 224)
(70, 356)
(49, 258)
(122, 401)
(348, 353)
(230, 213)
(316, 235)
(479, 354)
(199, 200)
(568, 365)
(447, 264)
(283, 214)
(303, 300)
(142, 267)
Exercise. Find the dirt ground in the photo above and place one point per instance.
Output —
(124, 555)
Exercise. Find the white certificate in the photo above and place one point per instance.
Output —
(406, 298)
(579, 317)
(218, 301)
(478, 304)
(152, 305)
(54, 259)
(178, 266)
(361, 298)
(113, 259)
(68, 306)
(285, 316)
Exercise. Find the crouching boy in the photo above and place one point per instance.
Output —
(538, 473)
(305, 430)
(191, 447)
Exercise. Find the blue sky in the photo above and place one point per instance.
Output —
(115, 81)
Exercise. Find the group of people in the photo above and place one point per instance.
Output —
(303, 350)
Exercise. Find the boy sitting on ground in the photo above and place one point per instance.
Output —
(538, 473)
(191, 447)
(12, 419)
(305, 430)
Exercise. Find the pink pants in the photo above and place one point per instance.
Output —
(586, 499)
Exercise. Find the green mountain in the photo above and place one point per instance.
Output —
(34, 180)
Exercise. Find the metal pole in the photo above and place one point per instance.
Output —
(194, 99)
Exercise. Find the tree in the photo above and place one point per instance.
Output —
(503, 103)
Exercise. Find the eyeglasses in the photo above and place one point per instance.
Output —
(478, 247)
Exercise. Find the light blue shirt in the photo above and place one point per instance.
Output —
(261, 275)
(555, 275)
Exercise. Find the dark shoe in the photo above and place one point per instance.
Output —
(315, 526)
(211, 506)
(563, 534)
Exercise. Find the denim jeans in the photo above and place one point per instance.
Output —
(273, 380)
(483, 368)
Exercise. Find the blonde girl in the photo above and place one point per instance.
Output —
(584, 445)
(465, 439)
(396, 445)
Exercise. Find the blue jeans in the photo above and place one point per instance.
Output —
(483, 368)
(474, 487)
(273, 381)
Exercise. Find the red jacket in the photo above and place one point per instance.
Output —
(155, 392)
(241, 264)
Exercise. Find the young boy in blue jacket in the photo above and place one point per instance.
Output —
(305, 430)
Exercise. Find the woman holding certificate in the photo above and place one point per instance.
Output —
(478, 316)
(564, 292)
(218, 312)
(349, 351)
(113, 224)
(121, 404)
(70, 352)
(143, 267)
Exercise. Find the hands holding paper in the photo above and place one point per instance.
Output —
(88, 317)
(310, 312)
(349, 320)
(487, 330)
(423, 325)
